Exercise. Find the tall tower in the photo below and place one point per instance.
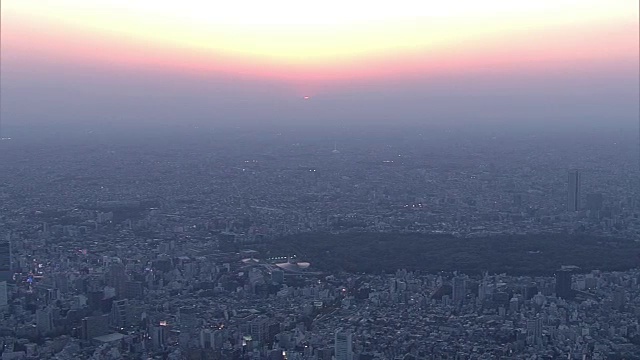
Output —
(573, 191)
(563, 284)
(459, 289)
(4, 294)
(534, 330)
(119, 310)
(117, 278)
(343, 345)
(158, 334)
(44, 320)
(5, 258)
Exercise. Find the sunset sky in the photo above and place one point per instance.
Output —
(84, 61)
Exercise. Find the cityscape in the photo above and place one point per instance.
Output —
(319, 180)
(142, 251)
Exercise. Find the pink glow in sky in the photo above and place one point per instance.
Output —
(311, 48)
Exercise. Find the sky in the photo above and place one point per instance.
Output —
(241, 63)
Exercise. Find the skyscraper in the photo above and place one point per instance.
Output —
(5, 258)
(44, 320)
(343, 345)
(619, 299)
(534, 330)
(119, 313)
(93, 326)
(158, 335)
(459, 289)
(117, 278)
(573, 191)
(4, 294)
(563, 284)
(206, 339)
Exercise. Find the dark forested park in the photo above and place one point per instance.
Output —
(514, 254)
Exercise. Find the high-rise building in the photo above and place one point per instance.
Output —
(459, 289)
(530, 291)
(61, 282)
(5, 258)
(483, 287)
(534, 330)
(211, 339)
(206, 339)
(134, 290)
(158, 335)
(119, 313)
(257, 327)
(117, 278)
(563, 284)
(44, 320)
(573, 191)
(93, 326)
(343, 345)
(619, 299)
(4, 294)
(513, 305)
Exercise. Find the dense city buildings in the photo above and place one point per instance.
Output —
(241, 246)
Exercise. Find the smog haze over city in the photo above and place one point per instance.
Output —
(345, 180)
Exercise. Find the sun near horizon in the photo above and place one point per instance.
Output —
(321, 42)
